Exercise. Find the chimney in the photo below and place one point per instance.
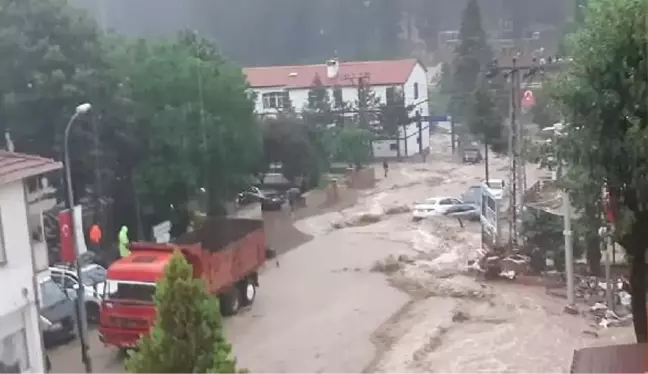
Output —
(332, 68)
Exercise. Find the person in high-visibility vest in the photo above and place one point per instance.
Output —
(123, 242)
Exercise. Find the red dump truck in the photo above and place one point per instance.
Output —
(225, 252)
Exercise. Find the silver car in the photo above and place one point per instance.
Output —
(94, 282)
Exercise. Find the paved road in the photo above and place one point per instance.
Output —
(257, 333)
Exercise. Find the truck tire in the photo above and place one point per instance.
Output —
(230, 302)
(247, 288)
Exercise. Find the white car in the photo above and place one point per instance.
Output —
(496, 187)
(434, 206)
(94, 281)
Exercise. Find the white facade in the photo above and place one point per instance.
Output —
(415, 91)
(20, 337)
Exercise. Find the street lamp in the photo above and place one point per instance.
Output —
(80, 315)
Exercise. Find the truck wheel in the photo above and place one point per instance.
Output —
(230, 302)
(248, 292)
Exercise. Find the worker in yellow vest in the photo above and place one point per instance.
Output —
(123, 242)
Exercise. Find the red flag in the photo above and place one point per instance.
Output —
(67, 239)
(609, 207)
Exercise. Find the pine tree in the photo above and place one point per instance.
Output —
(367, 104)
(188, 333)
(471, 56)
(319, 109)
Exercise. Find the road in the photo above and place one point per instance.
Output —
(323, 310)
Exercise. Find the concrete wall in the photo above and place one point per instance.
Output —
(18, 309)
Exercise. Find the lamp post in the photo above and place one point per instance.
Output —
(80, 311)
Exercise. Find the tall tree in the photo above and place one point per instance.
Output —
(319, 118)
(193, 123)
(286, 141)
(394, 115)
(367, 103)
(485, 121)
(52, 60)
(188, 333)
(471, 57)
(604, 97)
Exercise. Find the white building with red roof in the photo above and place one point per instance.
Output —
(273, 85)
(21, 259)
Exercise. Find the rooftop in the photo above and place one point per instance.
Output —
(379, 73)
(16, 166)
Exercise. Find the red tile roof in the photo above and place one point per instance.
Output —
(380, 73)
(626, 358)
(16, 166)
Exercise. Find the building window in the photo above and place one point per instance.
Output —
(416, 91)
(14, 357)
(274, 100)
(393, 147)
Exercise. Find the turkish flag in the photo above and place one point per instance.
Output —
(609, 207)
(66, 237)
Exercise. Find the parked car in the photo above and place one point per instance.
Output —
(434, 206)
(94, 282)
(272, 200)
(249, 196)
(496, 187)
(472, 155)
(58, 318)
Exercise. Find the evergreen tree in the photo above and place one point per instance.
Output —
(188, 333)
(319, 110)
(471, 56)
(393, 115)
(367, 104)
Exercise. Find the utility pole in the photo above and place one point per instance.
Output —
(517, 179)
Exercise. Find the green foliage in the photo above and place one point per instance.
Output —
(603, 95)
(471, 56)
(544, 231)
(190, 106)
(51, 61)
(353, 146)
(188, 334)
(286, 140)
(485, 121)
(367, 105)
(544, 113)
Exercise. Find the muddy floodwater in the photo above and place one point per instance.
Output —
(323, 307)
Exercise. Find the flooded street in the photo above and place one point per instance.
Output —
(321, 308)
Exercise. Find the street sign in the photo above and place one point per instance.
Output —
(161, 232)
(528, 99)
(441, 118)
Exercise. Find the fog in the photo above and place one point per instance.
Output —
(262, 32)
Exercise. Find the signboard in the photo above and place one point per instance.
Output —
(162, 232)
(528, 99)
(442, 118)
(489, 220)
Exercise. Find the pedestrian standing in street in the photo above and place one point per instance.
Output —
(385, 167)
(293, 195)
(123, 242)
